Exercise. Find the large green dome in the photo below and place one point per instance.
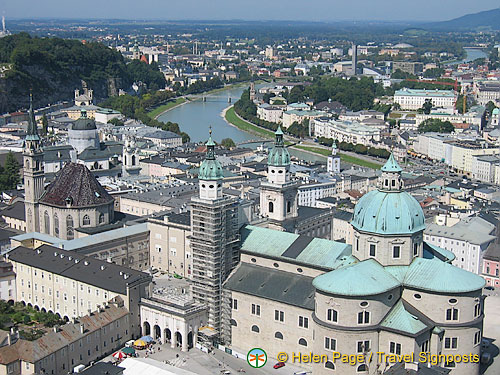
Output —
(389, 209)
(383, 212)
(279, 155)
(210, 168)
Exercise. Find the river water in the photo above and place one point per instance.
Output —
(195, 117)
(472, 54)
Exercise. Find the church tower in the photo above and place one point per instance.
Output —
(278, 195)
(130, 164)
(33, 173)
(214, 240)
(252, 91)
(333, 162)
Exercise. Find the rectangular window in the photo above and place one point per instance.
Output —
(396, 251)
(425, 346)
(477, 310)
(450, 343)
(332, 315)
(279, 316)
(452, 314)
(303, 322)
(364, 317)
(373, 249)
(255, 309)
(415, 249)
(363, 346)
(394, 348)
(235, 304)
(477, 338)
(330, 344)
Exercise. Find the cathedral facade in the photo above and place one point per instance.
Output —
(388, 294)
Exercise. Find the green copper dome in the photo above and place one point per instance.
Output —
(210, 168)
(389, 210)
(279, 156)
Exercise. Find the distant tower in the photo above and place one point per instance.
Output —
(354, 59)
(3, 24)
(33, 173)
(214, 239)
(278, 195)
(252, 91)
(136, 53)
(130, 164)
(333, 163)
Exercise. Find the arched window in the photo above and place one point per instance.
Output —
(278, 335)
(86, 220)
(56, 225)
(330, 365)
(271, 207)
(101, 218)
(233, 323)
(70, 232)
(96, 165)
(255, 329)
(46, 222)
(133, 159)
(288, 206)
(362, 368)
(303, 342)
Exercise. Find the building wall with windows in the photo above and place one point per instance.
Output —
(78, 343)
(70, 285)
(170, 247)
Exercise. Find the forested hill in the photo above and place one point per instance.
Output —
(483, 20)
(54, 68)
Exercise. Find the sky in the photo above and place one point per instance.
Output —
(304, 10)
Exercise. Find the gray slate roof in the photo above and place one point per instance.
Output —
(280, 286)
(77, 267)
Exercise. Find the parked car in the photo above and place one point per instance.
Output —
(279, 365)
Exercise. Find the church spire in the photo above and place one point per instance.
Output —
(390, 180)
(32, 133)
(210, 146)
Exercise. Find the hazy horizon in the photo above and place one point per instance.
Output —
(257, 10)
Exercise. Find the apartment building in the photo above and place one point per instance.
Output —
(414, 99)
(345, 131)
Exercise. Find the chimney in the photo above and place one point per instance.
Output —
(56, 328)
(89, 311)
(9, 339)
(82, 329)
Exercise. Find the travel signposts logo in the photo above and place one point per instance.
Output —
(256, 358)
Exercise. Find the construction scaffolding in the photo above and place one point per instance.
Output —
(215, 247)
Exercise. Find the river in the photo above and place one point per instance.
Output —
(195, 117)
(471, 55)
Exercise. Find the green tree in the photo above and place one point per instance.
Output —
(227, 143)
(490, 106)
(45, 125)
(360, 149)
(427, 106)
(116, 122)
(435, 125)
(11, 172)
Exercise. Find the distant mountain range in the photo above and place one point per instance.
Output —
(488, 19)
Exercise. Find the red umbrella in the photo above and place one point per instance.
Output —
(119, 355)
